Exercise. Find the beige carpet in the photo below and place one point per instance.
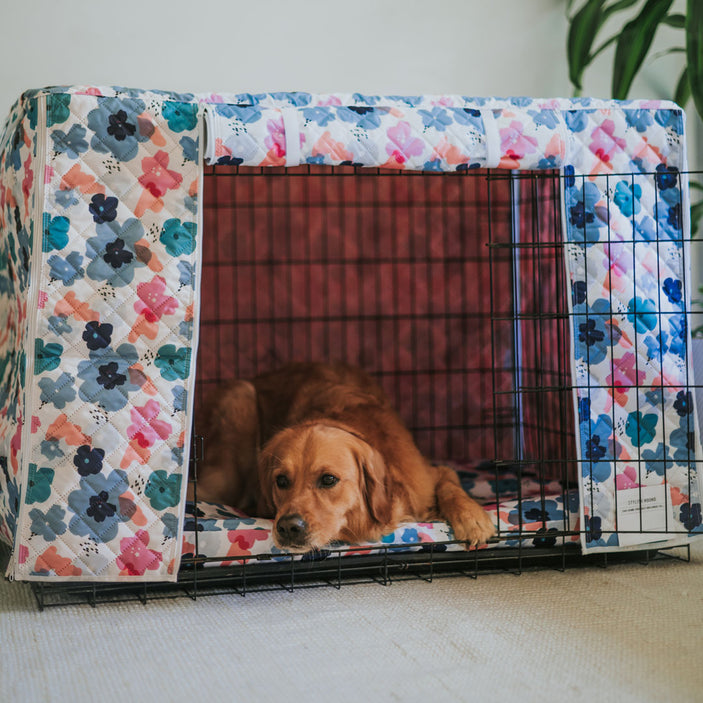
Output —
(625, 633)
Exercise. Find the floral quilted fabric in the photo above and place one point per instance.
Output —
(100, 239)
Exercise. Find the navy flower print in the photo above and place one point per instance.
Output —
(97, 336)
(109, 376)
(89, 460)
(100, 508)
(103, 209)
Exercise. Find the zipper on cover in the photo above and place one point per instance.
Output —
(32, 305)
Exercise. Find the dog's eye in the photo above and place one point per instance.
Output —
(282, 481)
(328, 480)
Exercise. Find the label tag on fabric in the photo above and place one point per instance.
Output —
(645, 514)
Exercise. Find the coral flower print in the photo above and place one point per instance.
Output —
(136, 557)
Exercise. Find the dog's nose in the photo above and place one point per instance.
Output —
(292, 529)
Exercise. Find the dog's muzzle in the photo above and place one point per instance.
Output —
(292, 530)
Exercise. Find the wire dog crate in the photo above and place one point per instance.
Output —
(528, 318)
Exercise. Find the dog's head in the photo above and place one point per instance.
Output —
(324, 484)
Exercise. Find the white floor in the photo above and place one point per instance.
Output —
(625, 633)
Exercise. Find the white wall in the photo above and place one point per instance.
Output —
(472, 47)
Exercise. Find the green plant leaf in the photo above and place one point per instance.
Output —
(633, 44)
(683, 89)
(582, 33)
(676, 21)
(696, 214)
(694, 51)
(618, 7)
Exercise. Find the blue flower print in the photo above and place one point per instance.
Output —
(173, 363)
(72, 144)
(48, 525)
(549, 163)
(39, 484)
(180, 116)
(190, 148)
(671, 119)
(170, 523)
(596, 332)
(569, 177)
(678, 328)
(642, 313)
(627, 197)
(58, 392)
(673, 288)
(436, 118)
(66, 198)
(247, 114)
(579, 292)
(51, 449)
(89, 460)
(576, 120)
(658, 460)
(107, 380)
(545, 118)
(178, 237)
(583, 213)
(186, 274)
(162, 490)
(47, 357)
(96, 505)
(641, 428)
(682, 441)
(103, 209)
(367, 118)
(97, 336)
(116, 130)
(320, 115)
(639, 119)
(584, 409)
(55, 232)
(114, 252)
(180, 398)
(68, 270)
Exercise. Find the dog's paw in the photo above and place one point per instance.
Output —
(473, 525)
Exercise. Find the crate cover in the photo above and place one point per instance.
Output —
(99, 242)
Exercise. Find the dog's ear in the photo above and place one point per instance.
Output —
(265, 506)
(374, 483)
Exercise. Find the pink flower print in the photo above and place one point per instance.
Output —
(624, 377)
(146, 428)
(135, 557)
(402, 145)
(604, 142)
(157, 178)
(514, 144)
(627, 479)
(276, 140)
(153, 303)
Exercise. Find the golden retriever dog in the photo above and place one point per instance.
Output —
(318, 449)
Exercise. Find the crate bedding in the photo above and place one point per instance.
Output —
(100, 236)
(544, 509)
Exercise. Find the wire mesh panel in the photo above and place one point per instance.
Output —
(412, 276)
